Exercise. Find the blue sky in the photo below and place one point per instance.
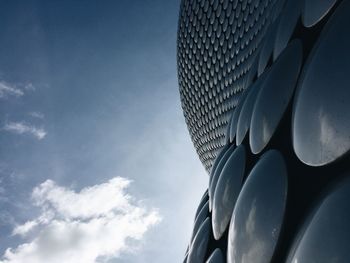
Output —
(89, 111)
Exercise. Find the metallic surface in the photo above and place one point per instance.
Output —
(326, 238)
(278, 70)
(274, 96)
(216, 257)
(198, 248)
(315, 10)
(289, 18)
(322, 135)
(227, 190)
(258, 215)
(217, 45)
(202, 215)
(245, 115)
(216, 174)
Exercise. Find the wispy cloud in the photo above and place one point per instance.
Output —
(9, 90)
(22, 128)
(36, 114)
(29, 86)
(89, 226)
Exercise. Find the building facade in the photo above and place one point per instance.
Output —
(265, 90)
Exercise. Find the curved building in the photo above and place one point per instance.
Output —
(265, 90)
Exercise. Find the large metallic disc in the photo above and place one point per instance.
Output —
(274, 96)
(315, 10)
(227, 190)
(321, 114)
(326, 238)
(258, 215)
(198, 249)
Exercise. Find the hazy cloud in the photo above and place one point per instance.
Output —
(29, 86)
(36, 114)
(89, 226)
(22, 128)
(9, 90)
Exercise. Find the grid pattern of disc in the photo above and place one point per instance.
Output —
(284, 165)
(218, 42)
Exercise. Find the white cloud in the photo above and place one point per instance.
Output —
(9, 90)
(89, 226)
(29, 86)
(36, 114)
(21, 128)
(25, 228)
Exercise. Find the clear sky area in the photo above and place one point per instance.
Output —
(96, 162)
